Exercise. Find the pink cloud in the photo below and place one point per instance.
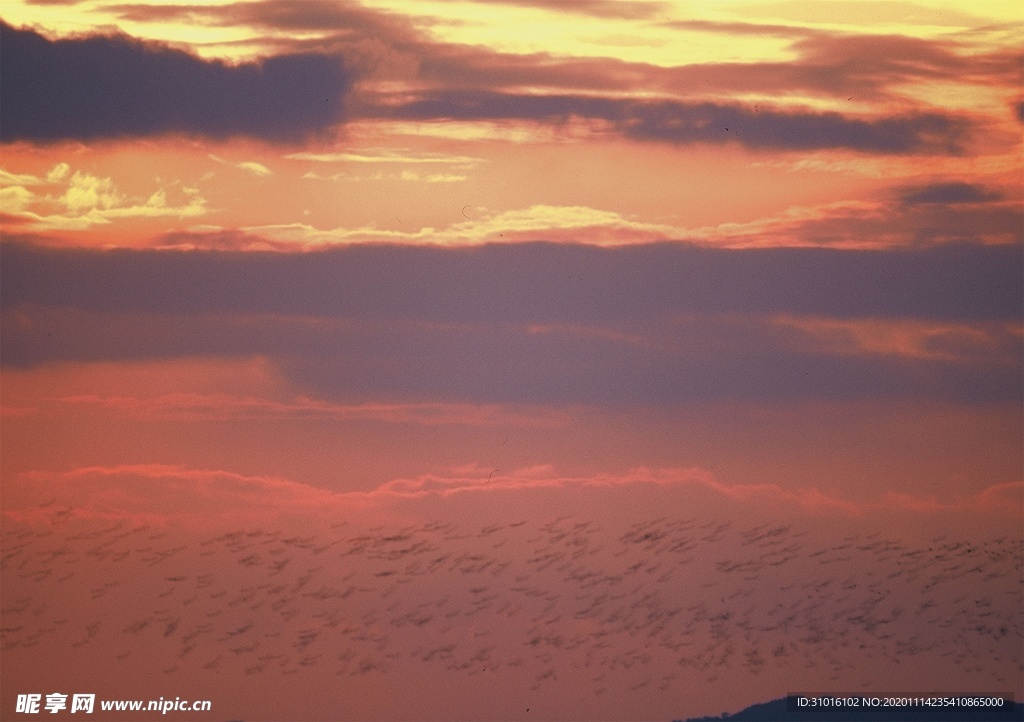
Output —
(806, 499)
(154, 492)
(912, 339)
(1008, 496)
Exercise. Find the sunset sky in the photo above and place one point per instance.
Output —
(588, 265)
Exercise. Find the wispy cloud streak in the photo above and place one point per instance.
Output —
(219, 406)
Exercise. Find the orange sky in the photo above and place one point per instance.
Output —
(379, 266)
(537, 176)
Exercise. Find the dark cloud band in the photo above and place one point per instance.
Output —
(685, 123)
(951, 193)
(108, 87)
(528, 282)
(663, 323)
(661, 363)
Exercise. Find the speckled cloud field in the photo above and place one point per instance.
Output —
(443, 606)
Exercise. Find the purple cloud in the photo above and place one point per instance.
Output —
(113, 87)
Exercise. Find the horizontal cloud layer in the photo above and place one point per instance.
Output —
(539, 323)
(526, 283)
(106, 87)
(665, 363)
(299, 91)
